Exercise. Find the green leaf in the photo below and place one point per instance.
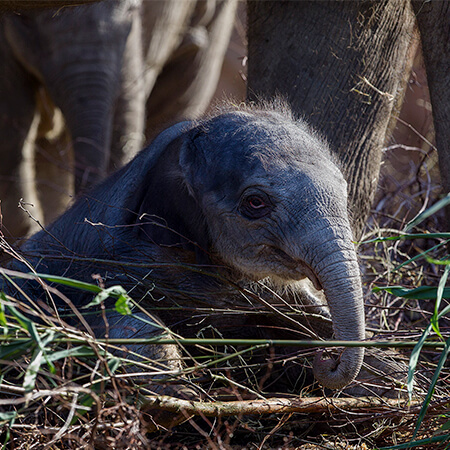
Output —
(446, 426)
(123, 305)
(420, 293)
(104, 294)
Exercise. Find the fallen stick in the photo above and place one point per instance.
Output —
(277, 405)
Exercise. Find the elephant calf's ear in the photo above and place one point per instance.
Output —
(169, 215)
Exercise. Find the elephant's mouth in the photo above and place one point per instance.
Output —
(295, 269)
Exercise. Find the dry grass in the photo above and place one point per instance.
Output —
(82, 397)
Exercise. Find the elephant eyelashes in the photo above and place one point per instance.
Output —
(255, 206)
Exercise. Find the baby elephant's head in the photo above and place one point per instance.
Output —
(260, 192)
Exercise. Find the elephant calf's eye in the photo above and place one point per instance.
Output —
(255, 206)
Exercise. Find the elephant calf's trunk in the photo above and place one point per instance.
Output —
(337, 374)
(340, 278)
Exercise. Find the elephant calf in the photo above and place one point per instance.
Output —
(205, 217)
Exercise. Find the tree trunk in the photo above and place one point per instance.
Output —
(341, 65)
(433, 19)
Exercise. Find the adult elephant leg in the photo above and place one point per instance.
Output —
(341, 65)
(53, 160)
(199, 59)
(433, 19)
(164, 22)
(129, 113)
(18, 123)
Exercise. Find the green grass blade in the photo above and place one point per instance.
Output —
(419, 443)
(13, 349)
(438, 262)
(27, 324)
(402, 237)
(423, 255)
(7, 416)
(435, 317)
(416, 352)
(29, 380)
(30, 326)
(3, 321)
(38, 358)
(414, 359)
(82, 351)
(114, 363)
(420, 293)
(423, 410)
(442, 203)
(123, 300)
(444, 312)
(89, 287)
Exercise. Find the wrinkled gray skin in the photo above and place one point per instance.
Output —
(250, 195)
(347, 74)
(99, 64)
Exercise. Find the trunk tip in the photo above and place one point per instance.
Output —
(336, 374)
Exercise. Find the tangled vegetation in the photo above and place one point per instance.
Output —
(60, 387)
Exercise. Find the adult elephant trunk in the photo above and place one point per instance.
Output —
(78, 56)
(87, 103)
(334, 264)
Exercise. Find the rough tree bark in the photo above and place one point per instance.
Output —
(342, 66)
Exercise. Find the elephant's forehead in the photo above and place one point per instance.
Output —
(245, 149)
(258, 150)
(272, 141)
(279, 161)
